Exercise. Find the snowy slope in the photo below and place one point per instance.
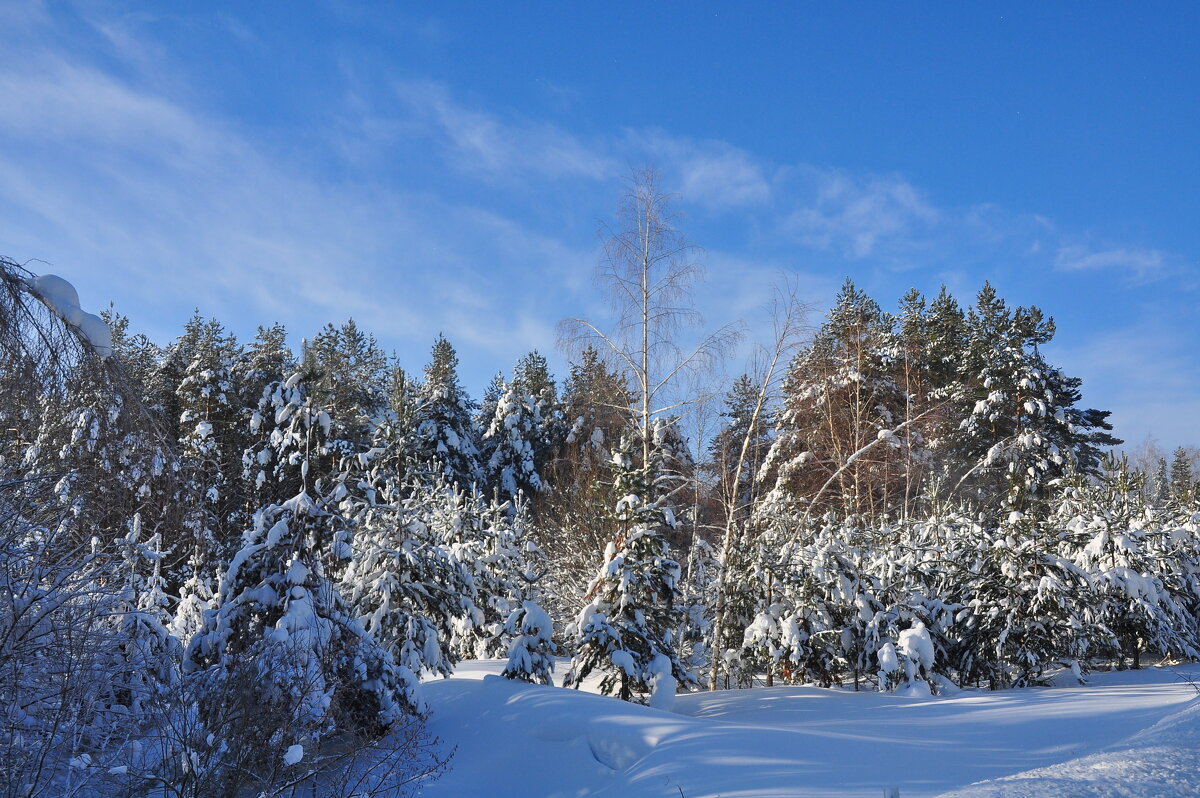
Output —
(1163, 760)
(520, 740)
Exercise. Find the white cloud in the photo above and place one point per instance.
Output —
(139, 198)
(860, 216)
(1137, 264)
(711, 174)
(478, 142)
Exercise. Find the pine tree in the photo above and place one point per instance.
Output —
(136, 353)
(1160, 485)
(402, 582)
(281, 636)
(1021, 428)
(532, 377)
(103, 455)
(531, 655)
(626, 629)
(146, 657)
(841, 397)
(212, 438)
(447, 436)
(487, 406)
(349, 375)
(740, 401)
(511, 442)
(1182, 485)
(1024, 608)
(488, 541)
(574, 518)
(169, 372)
(267, 359)
(1123, 548)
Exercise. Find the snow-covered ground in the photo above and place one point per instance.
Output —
(1133, 733)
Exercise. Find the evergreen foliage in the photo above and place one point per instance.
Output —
(447, 438)
(626, 629)
(189, 530)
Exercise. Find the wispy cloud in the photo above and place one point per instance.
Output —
(1139, 265)
(860, 216)
(482, 227)
(1146, 372)
(484, 145)
(711, 174)
(138, 197)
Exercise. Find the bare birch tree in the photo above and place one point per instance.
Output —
(788, 316)
(649, 269)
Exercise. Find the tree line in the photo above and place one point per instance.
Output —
(910, 499)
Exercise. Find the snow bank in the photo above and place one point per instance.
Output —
(1163, 760)
(63, 300)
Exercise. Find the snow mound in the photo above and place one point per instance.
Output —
(1162, 760)
(63, 300)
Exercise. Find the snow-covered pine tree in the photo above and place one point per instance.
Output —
(349, 379)
(532, 376)
(1129, 557)
(402, 582)
(487, 407)
(625, 631)
(1025, 608)
(447, 438)
(531, 653)
(145, 659)
(511, 443)
(1020, 428)
(281, 638)
(286, 453)
(137, 354)
(1160, 485)
(212, 439)
(102, 453)
(267, 358)
(529, 628)
(1183, 486)
(737, 490)
(840, 396)
(489, 541)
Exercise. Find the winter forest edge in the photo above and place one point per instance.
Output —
(894, 501)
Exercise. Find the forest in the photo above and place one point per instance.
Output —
(884, 499)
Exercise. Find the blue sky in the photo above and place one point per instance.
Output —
(444, 167)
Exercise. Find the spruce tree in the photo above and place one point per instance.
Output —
(267, 358)
(492, 395)
(212, 439)
(1182, 485)
(531, 654)
(532, 377)
(402, 581)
